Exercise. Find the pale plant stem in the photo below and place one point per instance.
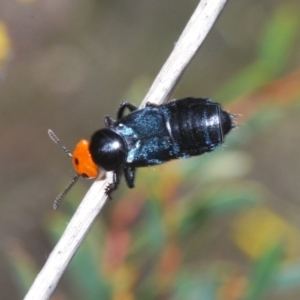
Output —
(189, 42)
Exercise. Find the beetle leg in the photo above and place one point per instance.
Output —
(114, 185)
(123, 106)
(151, 104)
(109, 122)
(129, 174)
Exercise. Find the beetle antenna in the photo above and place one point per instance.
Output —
(60, 197)
(57, 141)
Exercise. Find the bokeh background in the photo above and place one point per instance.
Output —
(221, 226)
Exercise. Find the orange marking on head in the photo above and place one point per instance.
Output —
(82, 161)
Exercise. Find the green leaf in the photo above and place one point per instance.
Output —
(264, 272)
(279, 37)
(277, 41)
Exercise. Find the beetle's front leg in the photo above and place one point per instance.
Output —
(109, 122)
(114, 185)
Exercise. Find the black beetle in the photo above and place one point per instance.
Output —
(157, 134)
(149, 136)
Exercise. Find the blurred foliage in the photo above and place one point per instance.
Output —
(5, 44)
(160, 240)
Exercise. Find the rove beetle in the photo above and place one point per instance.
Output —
(149, 136)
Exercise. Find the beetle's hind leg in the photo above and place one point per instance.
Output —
(123, 106)
(129, 173)
(114, 185)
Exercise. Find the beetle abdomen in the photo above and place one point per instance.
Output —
(196, 126)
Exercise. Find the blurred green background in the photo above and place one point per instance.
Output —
(221, 226)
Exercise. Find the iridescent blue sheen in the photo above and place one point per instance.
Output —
(146, 137)
(179, 129)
